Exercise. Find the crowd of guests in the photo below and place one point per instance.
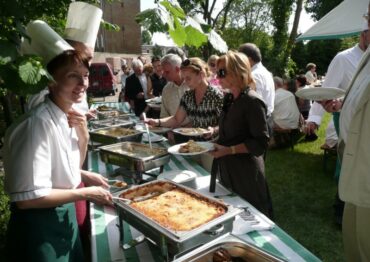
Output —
(233, 96)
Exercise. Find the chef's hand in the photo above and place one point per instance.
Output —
(332, 105)
(91, 114)
(94, 179)
(220, 151)
(151, 121)
(310, 128)
(97, 195)
(79, 122)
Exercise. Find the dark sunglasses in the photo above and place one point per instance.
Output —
(187, 62)
(221, 73)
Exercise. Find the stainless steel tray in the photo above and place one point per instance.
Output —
(111, 114)
(113, 122)
(111, 135)
(236, 247)
(134, 156)
(173, 242)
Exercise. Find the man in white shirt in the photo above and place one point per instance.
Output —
(175, 88)
(353, 147)
(286, 113)
(339, 75)
(264, 83)
(311, 75)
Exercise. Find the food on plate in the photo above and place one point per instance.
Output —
(193, 130)
(178, 210)
(191, 147)
(120, 184)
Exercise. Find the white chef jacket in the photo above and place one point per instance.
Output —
(41, 153)
(339, 75)
(286, 113)
(36, 99)
(265, 86)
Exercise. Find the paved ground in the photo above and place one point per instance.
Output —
(109, 98)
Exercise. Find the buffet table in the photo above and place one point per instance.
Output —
(105, 235)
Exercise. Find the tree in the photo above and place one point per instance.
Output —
(185, 27)
(146, 37)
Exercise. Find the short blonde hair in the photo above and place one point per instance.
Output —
(196, 65)
(238, 66)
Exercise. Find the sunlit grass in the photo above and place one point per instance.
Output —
(303, 196)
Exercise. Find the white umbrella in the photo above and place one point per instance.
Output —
(344, 20)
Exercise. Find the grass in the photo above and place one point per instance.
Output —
(302, 194)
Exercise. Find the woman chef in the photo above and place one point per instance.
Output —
(42, 160)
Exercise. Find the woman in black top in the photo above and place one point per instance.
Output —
(243, 133)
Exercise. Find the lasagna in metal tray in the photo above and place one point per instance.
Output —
(177, 209)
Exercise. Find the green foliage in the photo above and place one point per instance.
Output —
(4, 212)
(146, 37)
(157, 50)
(319, 8)
(183, 29)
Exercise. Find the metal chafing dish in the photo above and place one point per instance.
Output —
(135, 157)
(169, 241)
(112, 122)
(111, 114)
(234, 246)
(111, 135)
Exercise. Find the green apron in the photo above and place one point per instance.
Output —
(49, 234)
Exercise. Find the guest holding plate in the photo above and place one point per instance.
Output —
(243, 134)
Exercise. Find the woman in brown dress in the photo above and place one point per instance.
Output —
(243, 133)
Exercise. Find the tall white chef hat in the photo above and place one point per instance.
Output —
(365, 26)
(83, 23)
(45, 42)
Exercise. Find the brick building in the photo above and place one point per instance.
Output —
(128, 39)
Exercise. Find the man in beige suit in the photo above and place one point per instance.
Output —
(354, 148)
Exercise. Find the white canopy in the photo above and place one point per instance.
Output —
(344, 20)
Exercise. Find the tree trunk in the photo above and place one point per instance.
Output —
(293, 33)
(7, 109)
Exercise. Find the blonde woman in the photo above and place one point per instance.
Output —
(243, 133)
(202, 103)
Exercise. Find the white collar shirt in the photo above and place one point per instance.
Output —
(339, 75)
(144, 84)
(286, 113)
(41, 154)
(265, 86)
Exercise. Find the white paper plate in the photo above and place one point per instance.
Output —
(154, 138)
(320, 93)
(206, 145)
(191, 131)
(178, 176)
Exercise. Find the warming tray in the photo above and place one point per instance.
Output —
(111, 135)
(173, 242)
(234, 246)
(134, 156)
(111, 114)
(113, 122)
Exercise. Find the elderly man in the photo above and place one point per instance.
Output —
(354, 144)
(286, 113)
(264, 83)
(136, 88)
(175, 88)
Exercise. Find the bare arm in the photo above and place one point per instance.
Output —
(59, 197)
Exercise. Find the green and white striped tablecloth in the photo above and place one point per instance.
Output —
(104, 220)
(105, 233)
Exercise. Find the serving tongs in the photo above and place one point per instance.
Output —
(147, 130)
(137, 199)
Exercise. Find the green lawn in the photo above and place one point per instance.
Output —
(302, 194)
